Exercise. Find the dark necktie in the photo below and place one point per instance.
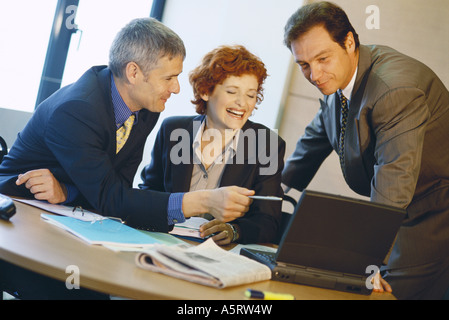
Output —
(344, 120)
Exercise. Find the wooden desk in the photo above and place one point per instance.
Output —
(34, 244)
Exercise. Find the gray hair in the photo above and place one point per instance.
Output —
(144, 41)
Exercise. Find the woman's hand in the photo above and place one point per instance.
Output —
(222, 232)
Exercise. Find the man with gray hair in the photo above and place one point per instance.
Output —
(90, 137)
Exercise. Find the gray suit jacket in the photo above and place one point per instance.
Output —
(396, 148)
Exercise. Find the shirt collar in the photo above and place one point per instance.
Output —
(231, 143)
(347, 92)
(121, 110)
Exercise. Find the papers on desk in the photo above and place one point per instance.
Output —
(206, 264)
(189, 229)
(107, 232)
(80, 214)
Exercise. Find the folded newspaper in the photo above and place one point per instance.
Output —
(206, 264)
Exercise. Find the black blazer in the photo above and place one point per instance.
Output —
(73, 134)
(260, 224)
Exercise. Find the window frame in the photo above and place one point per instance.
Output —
(58, 46)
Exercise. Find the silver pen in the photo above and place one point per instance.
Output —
(265, 198)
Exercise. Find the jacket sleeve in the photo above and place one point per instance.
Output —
(311, 150)
(399, 121)
(80, 150)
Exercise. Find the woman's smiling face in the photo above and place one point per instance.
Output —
(232, 102)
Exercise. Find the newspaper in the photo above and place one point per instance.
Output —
(206, 264)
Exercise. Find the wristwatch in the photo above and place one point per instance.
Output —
(235, 234)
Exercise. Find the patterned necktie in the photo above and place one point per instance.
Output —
(124, 131)
(344, 120)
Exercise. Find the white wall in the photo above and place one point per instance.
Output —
(206, 24)
(256, 24)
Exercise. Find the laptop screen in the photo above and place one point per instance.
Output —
(339, 234)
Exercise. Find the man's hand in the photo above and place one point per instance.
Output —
(380, 284)
(225, 204)
(43, 185)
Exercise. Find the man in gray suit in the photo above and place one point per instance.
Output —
(387, 116)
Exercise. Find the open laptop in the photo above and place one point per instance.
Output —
(330, 241)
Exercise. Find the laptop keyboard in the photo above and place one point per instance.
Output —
(266, 257)
(269, 256)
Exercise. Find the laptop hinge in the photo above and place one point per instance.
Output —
(322, 271)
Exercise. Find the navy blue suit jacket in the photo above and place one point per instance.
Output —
(261, 223)
(73, 133)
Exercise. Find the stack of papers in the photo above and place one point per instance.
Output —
(189, 229)
(74, 212)
(110, 233)
(100, 230)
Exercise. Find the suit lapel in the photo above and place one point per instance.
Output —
(358, 137)
(182, 173)
(355, 147)
(330, 109)
(104, 78)
(236, 172)
(364, 67)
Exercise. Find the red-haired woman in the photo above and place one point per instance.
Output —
(221, 147)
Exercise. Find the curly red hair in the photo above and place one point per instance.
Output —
(218, 65)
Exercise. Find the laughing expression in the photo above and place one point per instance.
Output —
(231, 102)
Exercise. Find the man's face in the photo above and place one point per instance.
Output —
(323, 61)
(152, 90)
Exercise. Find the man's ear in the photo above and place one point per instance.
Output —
(350, 42)
(205, 96)
(131, 71)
